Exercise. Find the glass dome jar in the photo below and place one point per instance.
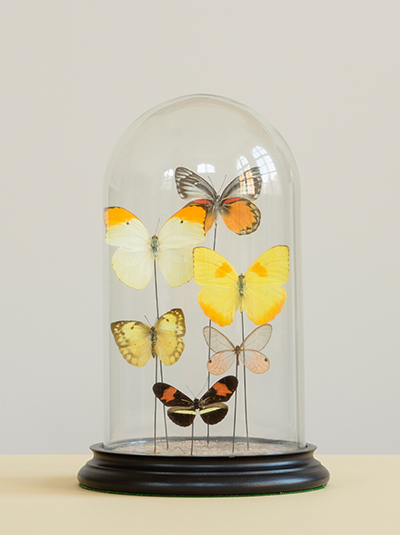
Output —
(203, 322)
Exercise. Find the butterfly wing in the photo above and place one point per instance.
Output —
(221, 362)
(213, 414)
(170, 328)
(211, 410)
(255, 361)
(217, 341)
(258, 339)
(182, 411)
(219, 298)
(247, 184)
(177, 237)
(240, 215)
(222, 390)
(192, 186)
(264, 296)
(133, 341)
(133, 260)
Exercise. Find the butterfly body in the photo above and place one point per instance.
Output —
(249, 352)
(182, 410)
(234, 204)
(137, 342)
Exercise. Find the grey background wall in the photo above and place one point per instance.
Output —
(76, 74)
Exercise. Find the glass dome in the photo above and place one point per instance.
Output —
(203, 174)
(203, 319)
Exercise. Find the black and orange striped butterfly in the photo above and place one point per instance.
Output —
(182, 409)
(234, 205)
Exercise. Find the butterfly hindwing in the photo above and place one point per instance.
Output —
(255, 361)
(213, 414)
(240, 216)
(221, 362)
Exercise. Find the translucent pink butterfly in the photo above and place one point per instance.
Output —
(226, 353)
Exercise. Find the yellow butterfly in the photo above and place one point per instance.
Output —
(133, 262)
(258, 291)
(137, 342)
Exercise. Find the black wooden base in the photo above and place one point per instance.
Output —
(202, 476)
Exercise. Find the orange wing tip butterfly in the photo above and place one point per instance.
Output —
(234, 205)
(133, 261)
(182, 409)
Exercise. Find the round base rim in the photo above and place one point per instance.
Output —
(127, 473)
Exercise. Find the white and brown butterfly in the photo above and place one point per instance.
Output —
(249, 351)
(211, 408)
(137, 342)
(234, 205)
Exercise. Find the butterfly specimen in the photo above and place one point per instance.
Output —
(137, 342)
(226, 353)
(258, 291)
(234, 205)
(182, 409)
(133, 262)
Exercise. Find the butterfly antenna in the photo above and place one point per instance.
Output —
(202, 388)
(222, 185)
(211, 180)
(158, 224)
(147, 319)
(190, 390)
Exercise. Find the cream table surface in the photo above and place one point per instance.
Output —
(39, 494)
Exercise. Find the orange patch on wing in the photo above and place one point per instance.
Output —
(259, 270)
(168, 394)
(223, 270)
(241, 216)
(221, 389)
(116, 216)
(216, 317)
(193, 213)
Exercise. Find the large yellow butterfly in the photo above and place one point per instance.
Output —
(133, 262)
(258, 291)
(137, 342)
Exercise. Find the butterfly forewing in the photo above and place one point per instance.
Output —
(192, 186)
(246, 185)
(171, 396)
(222, 390)
(257, 339)
(216, 340)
